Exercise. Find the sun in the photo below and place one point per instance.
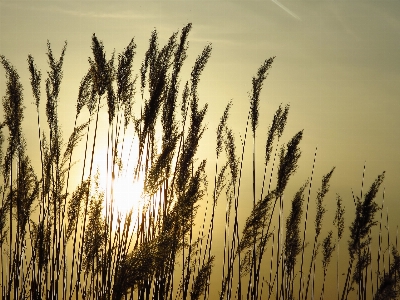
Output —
(124, 193)
(127, 193)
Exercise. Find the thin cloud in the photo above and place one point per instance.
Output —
(286, 9)
(346, 28)
(103, 15)
(128, 15)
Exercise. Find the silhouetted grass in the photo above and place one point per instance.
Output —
(55, 243)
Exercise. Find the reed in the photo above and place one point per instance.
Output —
(58, 241)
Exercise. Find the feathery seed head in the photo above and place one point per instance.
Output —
(257, 83)
(253, 229)
(55, 74)
(293, 240)
(276, 129)
(180, 53)
(327, 249)
(124, 81)
(85, 93)
(100, 67)
(338, 221)
(53, 83)
(199, 66)
(201, 281)
(13, 107)
(3, 219)
(35, 80)
(288, 161)
(320, 197)
(149, 59)
(185, 98)
(221, 128)
(364, 220)
(230, 149)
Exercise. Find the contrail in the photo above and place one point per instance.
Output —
(286, 9)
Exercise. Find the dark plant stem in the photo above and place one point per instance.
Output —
(301, 285)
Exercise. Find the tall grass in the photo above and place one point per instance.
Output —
(58, 243)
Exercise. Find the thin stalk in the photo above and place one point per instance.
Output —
(226, 247)
(301, 286)
(388, 235)
(87, 200)
(10, 269)
(279, 254)
(312, 266)
(254, 269)
(210, 234)
(271, 266)
(264, 220)
(236, 225)
(380, 243)
(337, 269)
(76, 225)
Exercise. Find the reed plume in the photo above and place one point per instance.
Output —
(318, 224)
(257, 83)
(289, 156)
(389, 287)
(292, 244)
(152, 251)
(359, 235)
(327, 249)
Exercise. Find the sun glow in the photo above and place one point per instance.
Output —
(126, 193)
(123, 192)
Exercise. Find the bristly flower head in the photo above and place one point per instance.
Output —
(320, 197)
(199, 66)
(13, 106)
(180, 54)
(230, 148)
(255, 94)
(276, 129)
(124, 81)
(339, 217)
(53, 83)
(102, 75)
(85, 93)
(293, 239)
(99, 67)
(3, 218)
(55, 73)
(364, 220)
(35, 80)
(327, 249)
(202, 279)
(288, 162)
(149, 59)
(221, 128)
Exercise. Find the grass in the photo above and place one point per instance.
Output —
(58, 243)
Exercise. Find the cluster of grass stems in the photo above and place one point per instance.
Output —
(56, 243)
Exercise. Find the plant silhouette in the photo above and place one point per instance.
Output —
(61, 244)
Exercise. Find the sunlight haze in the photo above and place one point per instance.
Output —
(337, 64)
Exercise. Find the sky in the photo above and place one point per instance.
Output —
(337, 64)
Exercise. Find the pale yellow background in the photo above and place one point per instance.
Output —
(337, 64)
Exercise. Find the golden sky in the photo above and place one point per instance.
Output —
(337, 64)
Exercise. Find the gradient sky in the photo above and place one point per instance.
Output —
(337, 64)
